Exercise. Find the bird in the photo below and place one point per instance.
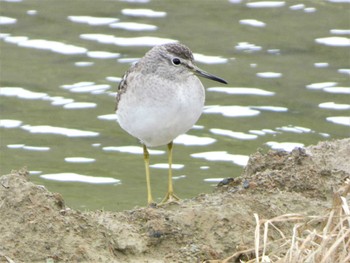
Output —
(159, 98)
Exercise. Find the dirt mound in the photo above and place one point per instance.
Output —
(36, 226)
(313, 172)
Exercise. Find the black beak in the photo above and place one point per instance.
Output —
(207, 75)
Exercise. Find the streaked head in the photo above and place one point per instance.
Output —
(180, 59)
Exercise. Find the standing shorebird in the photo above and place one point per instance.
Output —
(159, 98)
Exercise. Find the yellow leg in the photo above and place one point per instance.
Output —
(170, 196)
(148, 179)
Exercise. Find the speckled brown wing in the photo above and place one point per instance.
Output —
(122, 87)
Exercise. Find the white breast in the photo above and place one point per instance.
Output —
(157, 114)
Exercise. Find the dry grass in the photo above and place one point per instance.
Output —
(294, 238)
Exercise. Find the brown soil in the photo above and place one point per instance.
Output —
(36, 226)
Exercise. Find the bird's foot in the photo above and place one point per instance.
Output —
(169, 198)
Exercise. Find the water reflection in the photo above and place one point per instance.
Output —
(73, 177)
(92, 21)
(143, 13)
(58, 130)
(131, 26)
(127, 41)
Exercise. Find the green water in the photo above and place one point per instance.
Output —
(207, 27)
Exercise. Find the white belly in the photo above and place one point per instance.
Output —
(159, 121)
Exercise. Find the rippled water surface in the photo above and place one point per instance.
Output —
(287, 64)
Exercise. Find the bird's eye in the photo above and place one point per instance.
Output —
(176, 61)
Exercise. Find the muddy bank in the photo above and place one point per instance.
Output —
(37, 226)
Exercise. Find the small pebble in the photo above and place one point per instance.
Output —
(246, 184)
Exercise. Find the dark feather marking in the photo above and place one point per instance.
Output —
(122, 87)
(179, 50)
